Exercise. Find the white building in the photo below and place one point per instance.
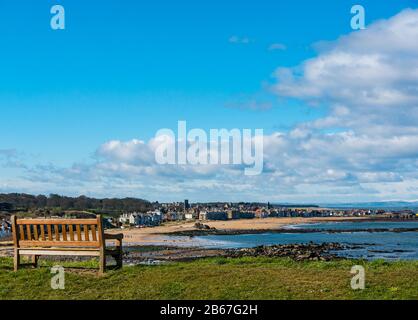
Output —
(189, 216)
(127, 218)
(151, 218)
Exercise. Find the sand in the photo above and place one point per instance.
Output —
(158, 235)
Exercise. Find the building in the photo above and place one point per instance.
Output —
(151, 218)
(213, 215)
(246, 215)
(189, 215)
(127, 218)
(233, 214)
(403, 214)
(261, 213)
(173, 216)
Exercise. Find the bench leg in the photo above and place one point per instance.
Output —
(102, 263)
(16, 260)
(119, 260)
(35, 260)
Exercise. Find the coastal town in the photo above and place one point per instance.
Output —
(161, 213)
(184, 211)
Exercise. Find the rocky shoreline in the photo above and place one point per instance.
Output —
(297, 252)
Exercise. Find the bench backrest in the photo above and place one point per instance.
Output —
(58, 232)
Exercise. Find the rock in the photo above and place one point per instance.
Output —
(299, 252)
(201, 226)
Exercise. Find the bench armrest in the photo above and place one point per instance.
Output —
(118, 236)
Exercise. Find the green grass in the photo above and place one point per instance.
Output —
(216, 278)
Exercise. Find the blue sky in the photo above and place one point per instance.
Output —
(122, 70)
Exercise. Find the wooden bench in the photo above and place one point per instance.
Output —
(63, 237)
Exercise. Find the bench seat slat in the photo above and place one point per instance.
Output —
(59, 249)
(27, 243)
(60, 252)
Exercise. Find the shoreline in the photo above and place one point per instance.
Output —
(182, 234)
(180, 241)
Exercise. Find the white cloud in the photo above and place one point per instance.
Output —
(133, 151)
(239, 40)
(376, 67)
(277, 46)
(366, 148)
(369, 80)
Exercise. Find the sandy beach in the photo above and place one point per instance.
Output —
(161, 235)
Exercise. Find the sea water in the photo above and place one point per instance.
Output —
(372, 245)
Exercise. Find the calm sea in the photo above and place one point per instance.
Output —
(374, 245)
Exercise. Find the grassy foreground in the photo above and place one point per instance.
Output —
(216, 278)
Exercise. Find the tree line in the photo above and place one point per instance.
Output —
(21, 201)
